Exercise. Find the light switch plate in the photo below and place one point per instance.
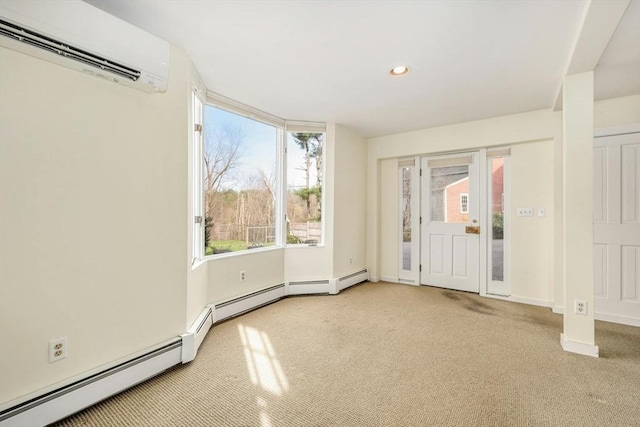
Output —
(525, 211)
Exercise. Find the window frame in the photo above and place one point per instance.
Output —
(197, 177)
(292, 126)
(198, 192)
(225, 104)
(308, 127)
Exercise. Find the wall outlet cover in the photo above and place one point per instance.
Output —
(57, 349)
(580, 307)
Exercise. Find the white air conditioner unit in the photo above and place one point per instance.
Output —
(85, 38)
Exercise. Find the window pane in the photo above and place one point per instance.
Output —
(497, 210)
(448, 184)
(305, 155)
(406, 218)
(240, 164)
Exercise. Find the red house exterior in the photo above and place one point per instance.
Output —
(456, 194)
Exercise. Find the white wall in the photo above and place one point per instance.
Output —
(531, 238)
(93, 198)
(617, 112)
(197, 292)
(350, 202)
(263, 268)
(389, 219)
(536, 175)
(531, 136)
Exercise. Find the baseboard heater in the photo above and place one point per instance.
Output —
(192, 339)
(309, 287)
(352, 279)
(64, 401)
(245, 303)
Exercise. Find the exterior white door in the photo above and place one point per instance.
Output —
(450, 241)
(617, 228)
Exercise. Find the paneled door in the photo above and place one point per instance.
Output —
(616, 227)
(450, 234)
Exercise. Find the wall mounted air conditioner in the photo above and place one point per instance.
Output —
(85, 38)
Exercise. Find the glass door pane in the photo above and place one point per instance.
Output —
(450, 194)
(406, 218)
(497, 219)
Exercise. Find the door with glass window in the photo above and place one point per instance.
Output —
(450, 252)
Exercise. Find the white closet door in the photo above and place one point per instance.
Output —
(616, 218)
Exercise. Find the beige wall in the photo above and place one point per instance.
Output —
(617, 112)
(350, 202)
(93, 200)
(389, 220)
(531, 137)
(263, 268)
(531, 238)
(536, 181)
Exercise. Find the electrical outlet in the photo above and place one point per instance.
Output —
(57, 349)
(541, 212)
(350, 260)
(243, 275)
(580, 307)
(525, 212)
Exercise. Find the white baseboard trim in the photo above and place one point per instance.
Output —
(578, 347)
(52, 405)
(242, 304)
(192, 339)
(612, 318)
(629, 321)
(389, 279)
(60, 403)
(531, 301)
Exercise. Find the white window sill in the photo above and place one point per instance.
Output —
(242, 253)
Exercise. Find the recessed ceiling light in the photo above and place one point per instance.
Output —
(400, 70)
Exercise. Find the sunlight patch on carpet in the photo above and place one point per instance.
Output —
(262, 362)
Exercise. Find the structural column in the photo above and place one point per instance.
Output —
(577, 128)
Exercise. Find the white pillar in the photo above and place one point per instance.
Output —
(577, 128)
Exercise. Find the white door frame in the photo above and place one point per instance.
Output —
(411, 276)
(500, 289)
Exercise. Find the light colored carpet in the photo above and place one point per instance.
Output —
(389, 355)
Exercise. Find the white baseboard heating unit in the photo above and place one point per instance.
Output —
(351, 279)
(309, 287)
(240, 305)
(59, 403)
(64, 401)
(192, 339)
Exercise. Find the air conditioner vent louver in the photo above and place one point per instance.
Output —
(59, 48)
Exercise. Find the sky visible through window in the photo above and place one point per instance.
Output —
(256, 150)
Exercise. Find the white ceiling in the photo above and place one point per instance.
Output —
(329, 60)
